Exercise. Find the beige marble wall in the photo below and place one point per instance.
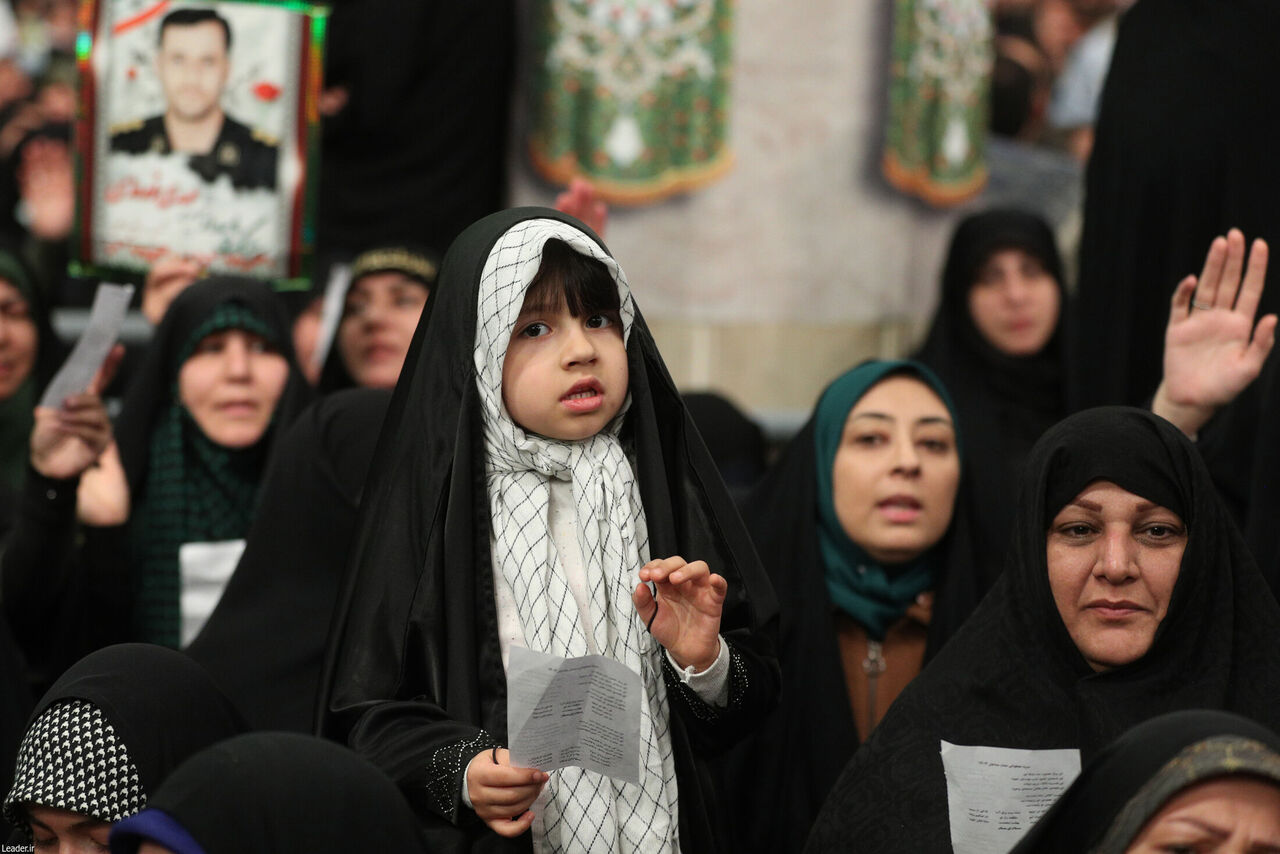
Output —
(800, 262)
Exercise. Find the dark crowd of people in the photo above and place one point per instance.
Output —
(275, 600)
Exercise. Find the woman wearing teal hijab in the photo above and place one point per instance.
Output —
(855, 525)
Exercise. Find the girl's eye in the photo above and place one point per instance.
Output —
(937, 446)
(535, 330)
(599, 321)
(869, 440)
(212, 344)
(1076, 530)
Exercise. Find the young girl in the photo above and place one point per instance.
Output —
(535, 457)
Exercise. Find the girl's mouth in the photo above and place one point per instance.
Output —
(584, 396)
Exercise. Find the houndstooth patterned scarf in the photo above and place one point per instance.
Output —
(71, 759)
(584, 811)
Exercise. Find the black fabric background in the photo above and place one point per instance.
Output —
(265, 641)
(1184, 150)
(275, 792)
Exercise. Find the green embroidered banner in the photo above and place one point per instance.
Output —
(939, 79)
(632, 94)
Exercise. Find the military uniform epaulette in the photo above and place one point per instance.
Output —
(125, 127)
(266, 138)
(140, 136)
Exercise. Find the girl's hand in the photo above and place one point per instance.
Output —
(501, 793)
(685, 618)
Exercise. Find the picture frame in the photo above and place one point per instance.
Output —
(192, 141)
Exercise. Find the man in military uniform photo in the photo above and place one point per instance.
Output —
(193, 64)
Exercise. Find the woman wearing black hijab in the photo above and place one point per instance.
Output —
(270, 792)
(1118, 800)
(1021, 673)
(265, 641)
(416, 679)
(388, 288)
(106, 734)
(1005, 373)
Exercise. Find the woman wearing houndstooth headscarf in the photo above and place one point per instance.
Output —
(537, 469)
(106, 734)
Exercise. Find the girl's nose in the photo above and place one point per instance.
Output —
(578, 346)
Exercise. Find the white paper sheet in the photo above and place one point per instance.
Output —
(110, 304)
(206, 568)
(573, 711)
(331, 307)
(995, 794)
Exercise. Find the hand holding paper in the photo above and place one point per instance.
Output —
(77, 373)
(501, 793)
(690, 599)
(69, 438)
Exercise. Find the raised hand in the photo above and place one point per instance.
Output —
(688, 607)
(501, 793)
(1213, 349)
(167, 278)
(47, 184)
(580, 200)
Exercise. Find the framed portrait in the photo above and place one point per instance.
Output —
(198, 135)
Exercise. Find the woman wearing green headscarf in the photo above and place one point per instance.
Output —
(855, 525)
(170, 509)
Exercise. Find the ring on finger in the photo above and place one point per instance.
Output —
(1201, 305)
